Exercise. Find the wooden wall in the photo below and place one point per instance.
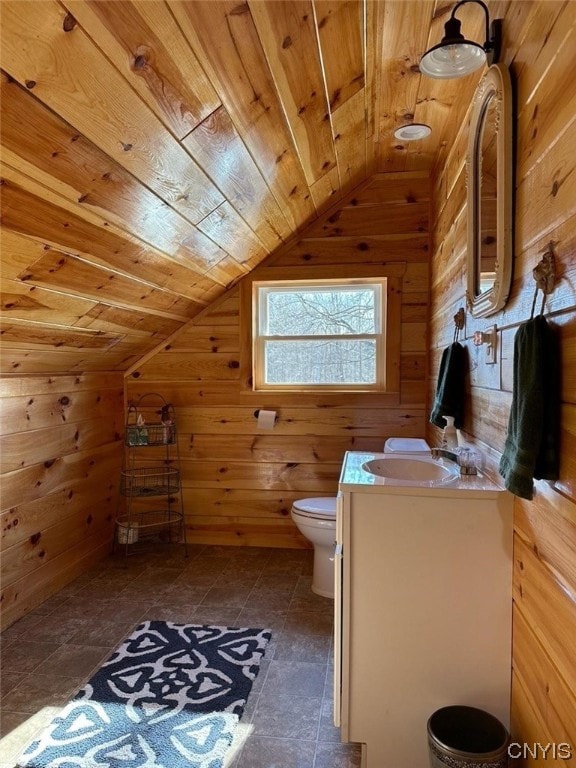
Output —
(239, 482)
(153, 153)
(61, 447)
(540, 40)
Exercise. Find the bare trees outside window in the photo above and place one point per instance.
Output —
(314, 334)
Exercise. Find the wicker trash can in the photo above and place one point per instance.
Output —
(466, 737)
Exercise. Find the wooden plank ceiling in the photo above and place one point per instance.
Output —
(154, 152)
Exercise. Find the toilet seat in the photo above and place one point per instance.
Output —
(321, 508)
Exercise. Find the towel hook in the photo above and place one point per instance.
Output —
(459, 320)
(544, 273)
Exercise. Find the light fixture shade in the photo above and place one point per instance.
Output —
(412, 132)
(455, 56)
(450, 60)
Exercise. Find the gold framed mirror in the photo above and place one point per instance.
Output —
(489, 165)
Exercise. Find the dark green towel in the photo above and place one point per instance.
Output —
(531, 447)
(449, 399)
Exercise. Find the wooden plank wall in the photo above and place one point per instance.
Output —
(540, 39)
(60, 439)
(239, 482)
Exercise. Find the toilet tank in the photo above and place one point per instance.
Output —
(406, 445)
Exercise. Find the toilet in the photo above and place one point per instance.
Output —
(315, 518)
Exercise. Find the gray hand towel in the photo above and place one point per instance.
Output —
(449, 399)
(531, 447)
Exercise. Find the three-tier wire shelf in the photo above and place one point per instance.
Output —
(150, 501)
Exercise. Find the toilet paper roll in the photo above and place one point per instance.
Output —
(266, 419)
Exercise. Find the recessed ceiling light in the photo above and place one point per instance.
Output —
(413, 132)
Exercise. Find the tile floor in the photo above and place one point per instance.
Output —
(49, 654)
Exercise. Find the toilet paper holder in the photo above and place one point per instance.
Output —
(257, 414)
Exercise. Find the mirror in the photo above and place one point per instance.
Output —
(489, 194)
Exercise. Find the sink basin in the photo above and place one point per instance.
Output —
(411, 471)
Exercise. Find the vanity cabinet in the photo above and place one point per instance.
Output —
(423, 609)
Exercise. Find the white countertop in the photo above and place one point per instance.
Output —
(354, 478)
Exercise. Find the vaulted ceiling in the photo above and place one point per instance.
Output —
(155, 151)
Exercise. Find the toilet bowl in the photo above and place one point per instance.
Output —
(315, 518)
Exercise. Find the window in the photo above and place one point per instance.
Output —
(319, 334)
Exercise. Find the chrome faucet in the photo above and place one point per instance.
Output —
(444, 453)
(467, 467)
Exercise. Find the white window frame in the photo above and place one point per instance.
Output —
(260, 288)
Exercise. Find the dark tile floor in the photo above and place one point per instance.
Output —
(49, 654)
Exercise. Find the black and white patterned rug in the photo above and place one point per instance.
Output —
(170, 696)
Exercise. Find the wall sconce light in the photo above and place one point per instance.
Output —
(455, 56)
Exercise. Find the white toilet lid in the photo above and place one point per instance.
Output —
(321, 507)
